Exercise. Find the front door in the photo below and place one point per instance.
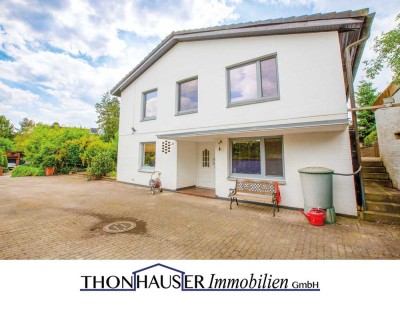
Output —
(206, 165)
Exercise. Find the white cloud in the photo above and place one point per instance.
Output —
(68, 53)
(53, 47)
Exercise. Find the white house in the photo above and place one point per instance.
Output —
(258, 100)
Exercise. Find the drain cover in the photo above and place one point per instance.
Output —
(119, 226)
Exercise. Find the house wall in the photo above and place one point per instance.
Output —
(311, 89)
(129, 161)
(387, 123)
(311, 84)
(324, 149)
(186, 164)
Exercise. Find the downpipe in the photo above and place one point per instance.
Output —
(349, 76)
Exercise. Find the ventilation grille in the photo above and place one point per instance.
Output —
(166, 147)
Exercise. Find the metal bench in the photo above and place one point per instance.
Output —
(255, 190)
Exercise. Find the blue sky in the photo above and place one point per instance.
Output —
(57, 57)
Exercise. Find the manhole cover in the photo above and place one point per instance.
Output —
(119, 226)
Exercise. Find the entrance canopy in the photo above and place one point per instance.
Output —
(263, 130)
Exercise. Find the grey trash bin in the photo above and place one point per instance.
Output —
(317, 186)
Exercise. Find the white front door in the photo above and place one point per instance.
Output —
(206, 165)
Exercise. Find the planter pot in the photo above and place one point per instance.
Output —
(49, 171)
(1, 171)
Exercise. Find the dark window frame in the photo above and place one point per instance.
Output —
(260, 98)
(178, 96)
(262, 159)
(144, 101)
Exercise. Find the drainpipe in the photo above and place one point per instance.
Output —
(349, 74)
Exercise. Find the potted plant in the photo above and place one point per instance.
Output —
(49, 162)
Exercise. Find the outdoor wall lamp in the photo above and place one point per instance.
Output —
(133, 130)
(219, 144)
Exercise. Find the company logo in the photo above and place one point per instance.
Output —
(160, 276)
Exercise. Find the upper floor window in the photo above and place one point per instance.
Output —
(187, 96)
(149, 105)
(253, 81)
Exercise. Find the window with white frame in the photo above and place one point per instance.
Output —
(253, 81)
(257, 157)
(187, 96)
(148, 155)
(149, 105)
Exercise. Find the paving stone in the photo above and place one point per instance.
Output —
(62, 217)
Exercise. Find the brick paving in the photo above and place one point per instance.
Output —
(62, 217)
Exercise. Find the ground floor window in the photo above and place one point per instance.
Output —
(148, 155)
(257, 157)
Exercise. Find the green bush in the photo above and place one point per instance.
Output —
(3, 161)
(51, 146)
(101, 164)
(370, 139)
(6, 144)
(26, 171)
(95, 147)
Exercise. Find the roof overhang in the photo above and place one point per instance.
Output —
(287, 128)
(351, 26)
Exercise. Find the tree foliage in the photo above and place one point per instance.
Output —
(7, 129)
(6, 144)
(365, 96)
(49, 145)
(387, 46)
(108, 116)
(3, 160)
(26, 125)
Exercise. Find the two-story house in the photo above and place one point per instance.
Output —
(254, 100)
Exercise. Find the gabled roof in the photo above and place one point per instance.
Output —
(351, 25)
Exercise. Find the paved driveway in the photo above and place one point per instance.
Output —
(62, 217)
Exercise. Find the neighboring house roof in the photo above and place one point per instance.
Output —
(351, 25)
(388, 92)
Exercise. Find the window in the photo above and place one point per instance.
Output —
(148, 155)
(187, 96)
(253, 82)
(149, 105)
(257, 157)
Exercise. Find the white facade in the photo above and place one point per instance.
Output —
(310, 115)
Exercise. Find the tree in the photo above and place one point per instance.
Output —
(6, 128)
(365, 96)
(387, 46)
(6, 144)
(26, 125)
(108, 116)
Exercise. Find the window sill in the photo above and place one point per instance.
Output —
(281, 181)
(148, 119)
(146, 170)
(186, 112)
(255, 101)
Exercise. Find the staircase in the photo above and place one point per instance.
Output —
(383, 201)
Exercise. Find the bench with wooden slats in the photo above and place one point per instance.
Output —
(254, 190)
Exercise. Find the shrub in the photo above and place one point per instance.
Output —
(3, 160)
(26, 171)
(65, 170)
(370, 139)
(101, 164)
(96, 147)
(6, 144)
